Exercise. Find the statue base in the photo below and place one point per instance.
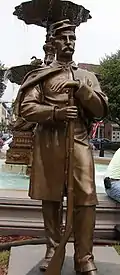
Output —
(25, 260)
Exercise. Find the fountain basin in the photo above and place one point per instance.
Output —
(13, 177)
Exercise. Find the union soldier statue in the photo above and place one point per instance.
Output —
(43, 100)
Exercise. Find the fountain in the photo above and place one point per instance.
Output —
(21, 148)
(20, 152)
(19, 156)
(45, 13)
(40, 14)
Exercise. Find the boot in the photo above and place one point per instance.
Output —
(52, 223)
(45, 261)
(83, 226)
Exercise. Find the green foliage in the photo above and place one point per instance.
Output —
(2, 84)
(117, 247)
(110, 83)
(4, 258)
(2, 66)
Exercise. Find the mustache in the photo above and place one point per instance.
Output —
(66, 48)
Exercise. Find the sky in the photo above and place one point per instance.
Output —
(99, 36)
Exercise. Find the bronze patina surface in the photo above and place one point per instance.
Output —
(43, 99)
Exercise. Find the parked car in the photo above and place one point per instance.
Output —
(6, 145)
(8, 141)
(6, 136)
(105, 144)
(92, 146)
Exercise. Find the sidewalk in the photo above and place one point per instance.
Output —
(107, 154)
(13, 193)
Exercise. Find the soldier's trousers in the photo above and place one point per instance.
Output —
(83, 229)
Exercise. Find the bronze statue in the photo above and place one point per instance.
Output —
(43, 99)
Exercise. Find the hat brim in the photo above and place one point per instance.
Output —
(64, 28)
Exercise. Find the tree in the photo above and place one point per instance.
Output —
(2, 84)
(110, 83)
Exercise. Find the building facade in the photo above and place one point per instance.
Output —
(5, 117)
(109, 130)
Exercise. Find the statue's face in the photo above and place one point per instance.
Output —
(65, 43)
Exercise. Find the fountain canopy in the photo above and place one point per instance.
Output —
(44, 13)
(16, 74)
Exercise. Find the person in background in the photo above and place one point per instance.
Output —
(112, 177)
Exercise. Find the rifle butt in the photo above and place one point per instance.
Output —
(57, 260)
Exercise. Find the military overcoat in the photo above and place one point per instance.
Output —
(40, 93)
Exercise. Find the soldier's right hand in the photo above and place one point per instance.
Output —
(71, 84)
(66, 113)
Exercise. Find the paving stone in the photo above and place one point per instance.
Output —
(25, 260)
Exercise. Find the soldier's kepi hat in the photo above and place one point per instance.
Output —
(60, 26)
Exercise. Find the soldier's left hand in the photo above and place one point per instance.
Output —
(86, 82)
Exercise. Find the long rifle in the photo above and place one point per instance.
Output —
(56, 263)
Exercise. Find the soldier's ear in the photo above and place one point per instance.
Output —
(52, 40)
